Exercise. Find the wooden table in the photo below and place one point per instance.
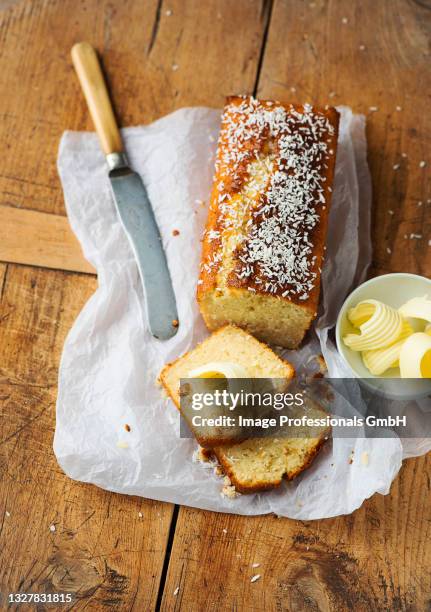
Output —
(135, 554)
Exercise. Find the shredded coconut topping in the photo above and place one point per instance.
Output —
(288, 149)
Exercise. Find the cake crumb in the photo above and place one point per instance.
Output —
(7, 513)
(229, 492)
(255, 578)
(420, 203)
(323, 368)
(140, 514)
(175, 232)
(293, 89)
(202, 455)
(332, 94)
(255, 565)
(177, 590)
(396, 166)
(344, 21)
(390, 212)
(175, 67)
(388, 250)
(52, 528)
(224, 530)
(364, 458)
(373, 109)
(398, 108)
(175, 323)
(127, 427)
(422, 164)
(415, 236)
(168, 13)
(361, 47)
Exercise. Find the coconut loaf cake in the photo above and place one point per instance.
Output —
(264, 242)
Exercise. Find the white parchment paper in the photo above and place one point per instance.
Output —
(110, 361)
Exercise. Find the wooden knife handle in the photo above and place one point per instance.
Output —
(93, 85)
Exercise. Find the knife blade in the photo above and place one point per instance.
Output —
(131, 199)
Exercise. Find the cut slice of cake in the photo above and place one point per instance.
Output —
(259, 464)
(228, 345)
(263, 247)
(256, 464)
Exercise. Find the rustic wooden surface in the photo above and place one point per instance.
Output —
(40, 239)
(134, 554)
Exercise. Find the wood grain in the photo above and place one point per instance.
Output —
(3, 268)
(375, 559)
(155, 62)
(40, 239)
(102, 551)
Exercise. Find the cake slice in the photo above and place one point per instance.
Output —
(256, 464)
(264, 242)
(230, 345)
(259, 464)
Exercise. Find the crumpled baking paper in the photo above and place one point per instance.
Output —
(110, 361)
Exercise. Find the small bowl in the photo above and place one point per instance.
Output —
(393, 290)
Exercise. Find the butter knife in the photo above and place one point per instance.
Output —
(131, 198)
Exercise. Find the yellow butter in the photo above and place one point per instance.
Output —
(415, 356)
(379, 325)
(219, 369)
(380, 360)
(417, 308)
(361, 313)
